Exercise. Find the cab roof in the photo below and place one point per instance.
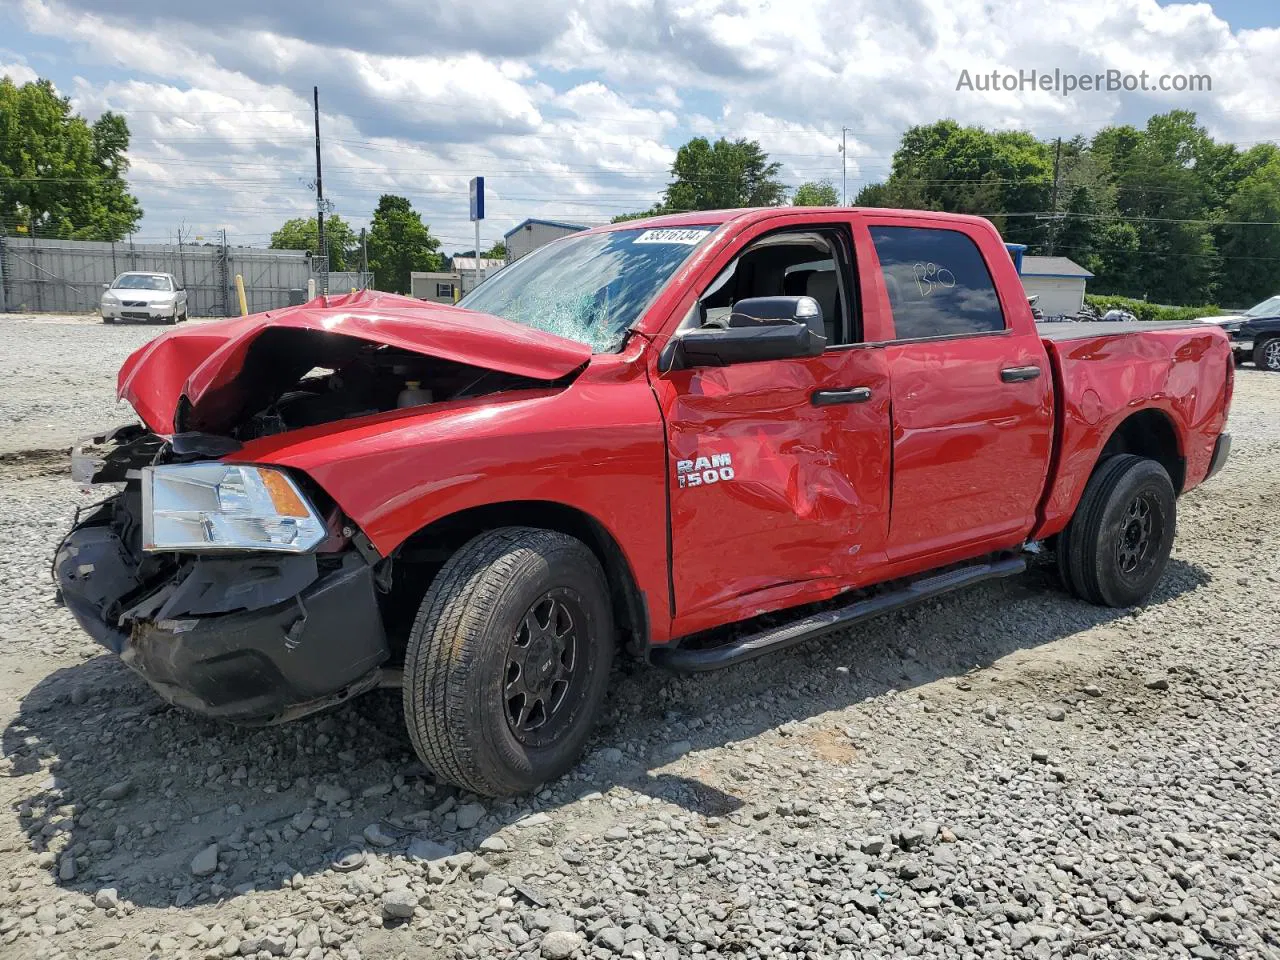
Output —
(745, 215)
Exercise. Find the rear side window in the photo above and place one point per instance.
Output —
(937, 281)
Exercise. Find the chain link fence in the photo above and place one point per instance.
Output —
(66, 276)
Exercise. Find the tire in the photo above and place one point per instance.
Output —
(1116, 548)
(1064, 567)
(170, 321)
(1266, 355)
(108, 320)
(464, 720)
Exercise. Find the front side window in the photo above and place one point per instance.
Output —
(787, 263)
(937, 281)
(591, 287)
(142, 281)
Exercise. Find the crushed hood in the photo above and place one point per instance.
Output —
(197, 360)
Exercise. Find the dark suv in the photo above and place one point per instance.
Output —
(1255, 334)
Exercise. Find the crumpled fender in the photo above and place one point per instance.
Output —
(192, 361)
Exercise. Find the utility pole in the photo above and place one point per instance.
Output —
(364, 258)
(844, 166)
(323, 249)
(1053, 203)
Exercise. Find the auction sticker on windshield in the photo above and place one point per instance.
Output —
(688, 237)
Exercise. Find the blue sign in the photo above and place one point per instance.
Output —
(477, 198)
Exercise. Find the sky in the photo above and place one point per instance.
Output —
(573, 109)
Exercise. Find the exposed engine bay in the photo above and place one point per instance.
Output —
(300, 378)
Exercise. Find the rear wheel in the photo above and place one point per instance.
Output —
(1266, 355)
(1116, 548)
(508, 660)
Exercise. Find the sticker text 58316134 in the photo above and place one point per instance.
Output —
(683, 236)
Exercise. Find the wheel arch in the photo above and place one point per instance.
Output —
(1149, 433)
(443, 536)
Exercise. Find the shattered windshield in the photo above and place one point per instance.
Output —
(589, 288)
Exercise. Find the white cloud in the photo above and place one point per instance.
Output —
(17, 71)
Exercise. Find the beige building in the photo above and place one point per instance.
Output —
(436, 287)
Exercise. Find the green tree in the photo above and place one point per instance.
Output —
(874, 195)
(821, 193)
(724, 174)
(1249, 241)
(1163, 191)
(400, 243)
(59, 175)
(656, 210)
(944, 166)
(301, 233)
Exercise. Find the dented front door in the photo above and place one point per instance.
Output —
(779, 481)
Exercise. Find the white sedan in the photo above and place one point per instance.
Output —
(144, 296)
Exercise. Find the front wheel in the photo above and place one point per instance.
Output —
(508, 660)
(1266, 355)
(1117, 545)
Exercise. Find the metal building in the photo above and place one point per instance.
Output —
(528, 236)
(1058, 281)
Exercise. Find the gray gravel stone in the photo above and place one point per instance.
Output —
(398, 904)
(470, 815)
(560, 945)
(205, 862)
(106, 899)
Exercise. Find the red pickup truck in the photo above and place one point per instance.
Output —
(697, 438)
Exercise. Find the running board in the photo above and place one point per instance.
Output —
(685, 660)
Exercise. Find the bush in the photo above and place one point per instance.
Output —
(1150, 311)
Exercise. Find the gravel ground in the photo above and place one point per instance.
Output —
(1007, 772)
(59, 377)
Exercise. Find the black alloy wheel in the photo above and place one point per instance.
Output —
(542, 660)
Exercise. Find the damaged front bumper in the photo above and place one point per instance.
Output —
(250, 638)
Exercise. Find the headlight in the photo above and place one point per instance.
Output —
(110, 298)
(217, 506)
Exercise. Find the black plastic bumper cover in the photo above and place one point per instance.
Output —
(251, 666)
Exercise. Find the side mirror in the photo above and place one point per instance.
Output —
(761, 328)
(106, 286)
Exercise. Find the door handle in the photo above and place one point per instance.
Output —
(827, 398)
(1019, 374)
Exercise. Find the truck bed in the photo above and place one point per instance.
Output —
(1103, 372)
(1071, 330)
